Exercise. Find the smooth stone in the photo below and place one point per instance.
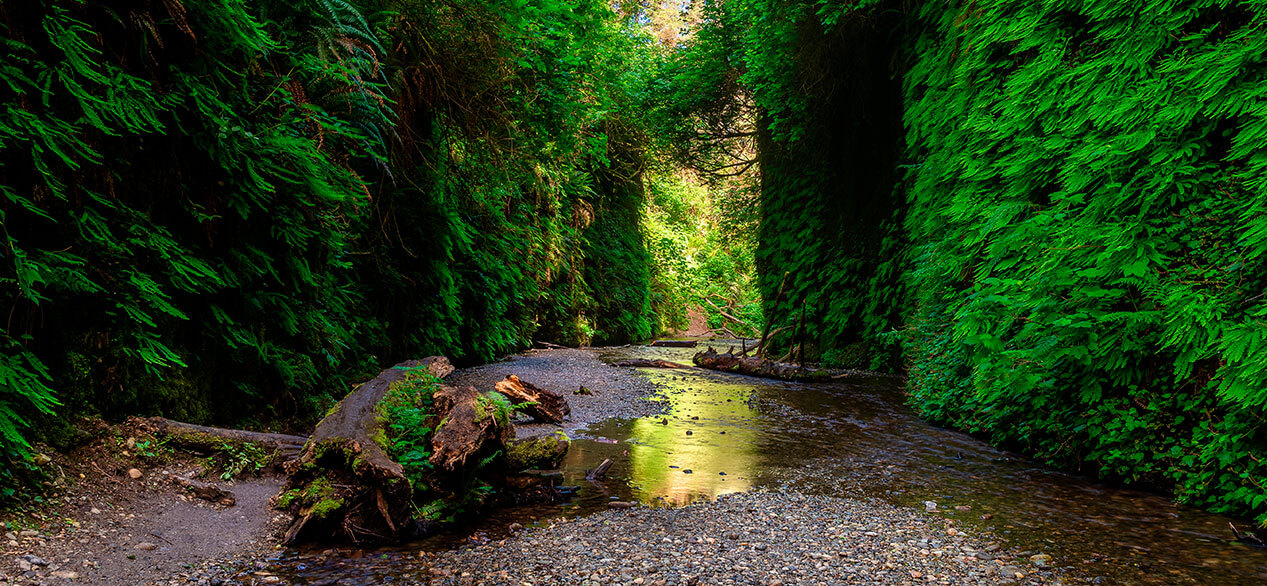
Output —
(1009, 571)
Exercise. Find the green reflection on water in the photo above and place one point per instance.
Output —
(707, 452)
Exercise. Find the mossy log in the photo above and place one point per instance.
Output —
(540, 404)
(344, 485)
(761, 367)
(211, 439)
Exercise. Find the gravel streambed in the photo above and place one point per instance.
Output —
(614, 392)
(745, 538)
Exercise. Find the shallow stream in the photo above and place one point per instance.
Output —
(725, 433)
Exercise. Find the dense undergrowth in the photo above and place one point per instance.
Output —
(1049, 215)
(229, 210)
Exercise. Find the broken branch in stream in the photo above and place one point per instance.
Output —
(649, 363)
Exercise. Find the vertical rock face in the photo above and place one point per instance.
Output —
(830, 210)
(1059, 245)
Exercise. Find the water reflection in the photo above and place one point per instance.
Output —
(687, 455)
(855, 438)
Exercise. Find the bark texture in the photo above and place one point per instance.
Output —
(762, 367)
(344, 485)
(542, 405)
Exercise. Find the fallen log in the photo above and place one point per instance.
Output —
(344, 485)
(549, 346)
(761, 367)
(648, 363)
(674, 343)
(539, 403)
(472, 427)
(211, 439)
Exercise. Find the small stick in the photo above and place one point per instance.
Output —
(600, 472)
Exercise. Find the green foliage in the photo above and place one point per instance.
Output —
(699, 258)
(1073, 261)
(23, 381)
(407, 411)
(831, 216)
(1089, 284)
(234, 459)
(228, 210)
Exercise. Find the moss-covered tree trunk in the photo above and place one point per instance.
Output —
(344, 485)
(374, 460)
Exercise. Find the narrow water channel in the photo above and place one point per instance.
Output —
(725, 433)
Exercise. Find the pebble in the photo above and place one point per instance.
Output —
(134, 474)
(37, 561)
(1009, 571)
(762, 538)
(146, 546)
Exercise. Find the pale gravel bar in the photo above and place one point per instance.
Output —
(750, 538)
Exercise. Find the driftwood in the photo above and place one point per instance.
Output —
(648, 363)
(344, 484)
(470, 430)
(600, 471)
(539, 403)
(730, 316)
(674, 343)
(1248, 537)
(762, 367)
(210, 439)
(549, 346)
(205, 490)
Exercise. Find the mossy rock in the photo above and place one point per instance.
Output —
(541, 453)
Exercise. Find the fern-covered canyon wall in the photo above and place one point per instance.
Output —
(229, 210)
(1072, 257)
(830, 210)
